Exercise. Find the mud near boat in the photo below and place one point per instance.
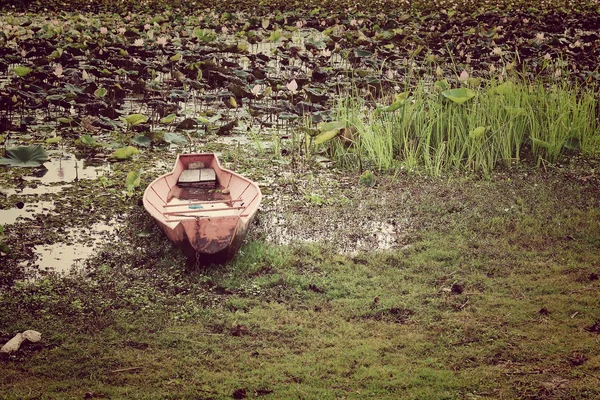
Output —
(337, 212)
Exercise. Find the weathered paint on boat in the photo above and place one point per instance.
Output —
(208, 224)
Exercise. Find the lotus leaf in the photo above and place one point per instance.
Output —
(89, 140)
(124, 153)
(477, 132)
(326, 136)
(333, 125)
(25, 156)
(168, 119)
(135, 119)
(133, 180)
(203, 120)
(174, 138)
(100, 92)
(460, 95)
(22, 71)
(142, 140)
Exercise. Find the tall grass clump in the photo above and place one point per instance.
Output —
(439, 129)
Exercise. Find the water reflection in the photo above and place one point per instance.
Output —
(66, 168)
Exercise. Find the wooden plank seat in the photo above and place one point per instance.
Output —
(195, 203)
(185, 213)
(199, 178)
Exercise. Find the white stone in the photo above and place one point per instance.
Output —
(13, 344)
(32, 336)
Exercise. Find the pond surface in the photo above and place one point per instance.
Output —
(241, 88)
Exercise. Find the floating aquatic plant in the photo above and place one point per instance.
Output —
(124, 153)
(25, 156)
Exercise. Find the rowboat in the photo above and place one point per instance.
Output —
(203, 208)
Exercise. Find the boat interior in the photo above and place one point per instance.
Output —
(197, 190)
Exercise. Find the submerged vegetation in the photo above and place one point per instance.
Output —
(431, 216)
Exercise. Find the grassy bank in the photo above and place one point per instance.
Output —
(493, 296)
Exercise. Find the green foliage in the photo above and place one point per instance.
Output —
(135, 119)
(367, 179)
(100, 92)
(133, 180)
(24, 156)
(89, 141)
(460, 95)
(168, 119)
(174, 138)
(497, 124)
(22, 71)
(124, 153)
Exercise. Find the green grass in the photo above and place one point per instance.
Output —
(491, 300)
(505, 123)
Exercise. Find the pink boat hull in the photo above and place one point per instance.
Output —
(208, 224)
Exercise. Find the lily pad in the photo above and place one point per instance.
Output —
(124, 153)
(399, 101)
(22, 71)
(477, 132)
(460, 95)
(135, 119)
(25, 156)
(133, 180)
(88, 140)
(174, 138)
(142, 140)
(326, 136)
(168, 119)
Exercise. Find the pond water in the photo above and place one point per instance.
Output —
(65, 167)
(83, 243)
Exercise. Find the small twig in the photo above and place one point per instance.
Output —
(463, 305)
(592, 375)
(574, 314)
(524, 372)
(464, 342)
(126, 369)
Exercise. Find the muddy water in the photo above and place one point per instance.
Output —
(83, 243)
(65, 167)
(79, 243)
